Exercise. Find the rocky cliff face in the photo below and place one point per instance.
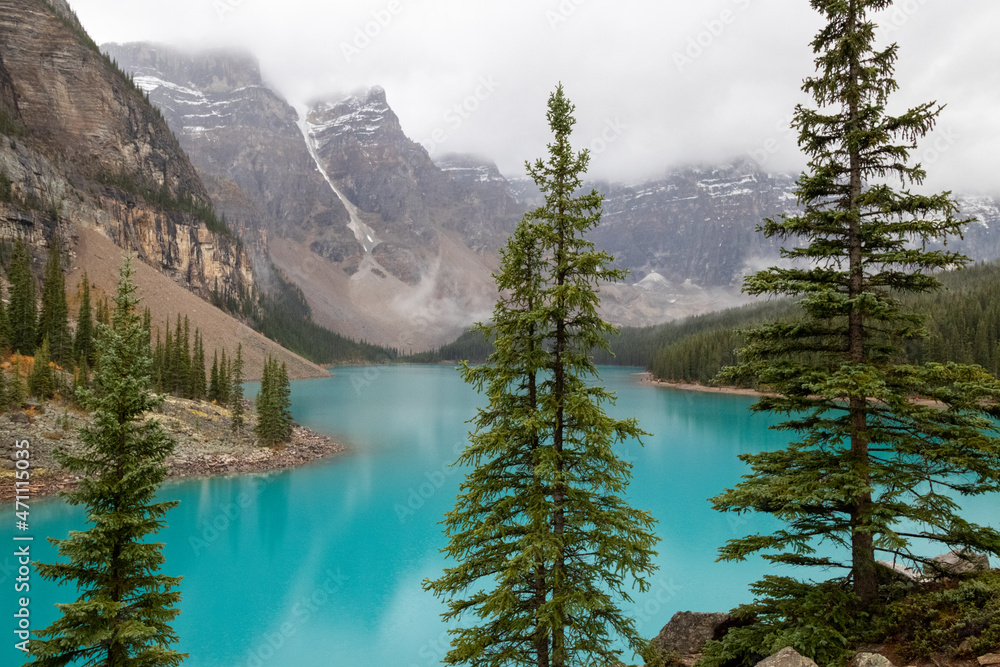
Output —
(395, 248)
(390, 178)
(235, 128)
(487, 211)
(83, 146)
(386, 245)
(694, 224)
(697, 226)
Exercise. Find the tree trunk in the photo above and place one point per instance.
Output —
(541, 636)
(862, 549)
(558, 492)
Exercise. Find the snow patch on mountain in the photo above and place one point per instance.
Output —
(364, 234)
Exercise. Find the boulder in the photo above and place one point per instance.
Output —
(687, 631)
(901, 571)
(989, 659)
(958, 562)
(871, 660)
(787, 657)
(20, 418)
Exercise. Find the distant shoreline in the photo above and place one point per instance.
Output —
(647, 378)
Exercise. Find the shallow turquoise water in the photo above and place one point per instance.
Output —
(323, 565)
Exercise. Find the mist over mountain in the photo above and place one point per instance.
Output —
(391, 246)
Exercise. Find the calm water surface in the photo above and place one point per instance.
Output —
(322, 566)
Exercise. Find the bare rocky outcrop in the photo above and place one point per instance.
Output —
(236, 128)
(957, 562)
(83, 148)
(787, 657)
(865, 659)
(688, 631)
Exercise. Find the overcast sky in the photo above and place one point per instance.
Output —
(656, 83)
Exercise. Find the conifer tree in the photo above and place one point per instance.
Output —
(870, 471)
(224, 384)
(147, 325)
(544, 547)
(23, 311)
(5, 332)
(186, 375)
(213, 387)
(81, 377)
(267, 416)
(198, 387)
(83, 344)
(283, 400)
(274, 417)
(123, 614)
(157, 370)
(53, 321)
(169, 360)
(180, 364)
(237, 392)
(103, 315)
(42, 381)
(16, 391)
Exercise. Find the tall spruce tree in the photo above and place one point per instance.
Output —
(283, 398)
(83, 343)
(147, 325)
(236, 398)
(267, 415)
(53, 320)
(544, 547)
(274, 417)
(198, 381)
(5, 333)
(16, 391)
(187, 376)
(213, 387)
(42, 381)
(123, 614)
(169, 370)
(224, 385)
(23, 310)
(872, 471)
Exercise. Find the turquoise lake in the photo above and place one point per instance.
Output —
(322, 566)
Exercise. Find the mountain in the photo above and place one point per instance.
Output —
(85, 156)
(390, 246)
(694, 224)
(697, 225)
(385, 245)
(238, 132)
(85, 146)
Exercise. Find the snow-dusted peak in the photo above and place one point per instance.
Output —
(466, 167)
(363, 114)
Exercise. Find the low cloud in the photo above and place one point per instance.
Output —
(692, 82)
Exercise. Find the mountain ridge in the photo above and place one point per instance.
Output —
(420, 237)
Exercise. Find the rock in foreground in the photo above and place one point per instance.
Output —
(787, 657)
(687, 631)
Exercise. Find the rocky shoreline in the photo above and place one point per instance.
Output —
(647, 378)
(206, 446)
